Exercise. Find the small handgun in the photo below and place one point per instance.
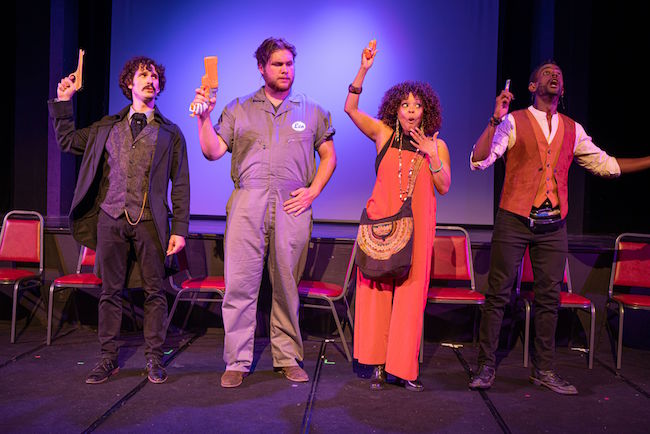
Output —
(209, 84)
(77, 76)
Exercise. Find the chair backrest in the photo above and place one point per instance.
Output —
(349, 271)
(526, 273)
(21, 238)
(86, 258)
(452, 256)
(631, 265)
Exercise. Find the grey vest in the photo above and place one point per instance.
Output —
(127, 163)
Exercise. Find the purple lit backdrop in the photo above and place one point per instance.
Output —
(451, 45)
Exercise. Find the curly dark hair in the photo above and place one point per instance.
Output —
(390, 103)
(270, 45)
(132, 66)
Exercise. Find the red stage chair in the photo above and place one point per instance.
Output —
(323, 295)
(192, 288)
(452, 272)
(21, 242)
(631, 269)
(568, 300)
(77, 280)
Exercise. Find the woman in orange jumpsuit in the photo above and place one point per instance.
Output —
(389, 313)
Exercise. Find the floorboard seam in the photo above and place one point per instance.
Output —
(104, 417)
(486, 399)
(625, 380)
(33, 350)
(306, 418)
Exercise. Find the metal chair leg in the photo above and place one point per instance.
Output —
(50, 308)
(14, 308)
(619, 350)
(592, 333)
(347, 307)
(172, 310)
(340, 329)
(526, 333)
(195, 295)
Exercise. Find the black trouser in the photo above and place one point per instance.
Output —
(115, 237)
(548, 250)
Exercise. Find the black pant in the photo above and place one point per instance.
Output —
(548, 250)
(115, 238)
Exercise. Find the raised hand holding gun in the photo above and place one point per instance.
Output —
(69, 85)
(206, 94)
(502, 104)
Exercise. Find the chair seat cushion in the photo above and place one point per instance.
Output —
(566, 299)
(311, 287)
(78, 279)
(208, 282)
(455, 294)
(633, 300)
(10, 275)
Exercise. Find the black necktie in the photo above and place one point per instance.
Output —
(138, 122)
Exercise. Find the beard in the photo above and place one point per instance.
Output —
(280, 86)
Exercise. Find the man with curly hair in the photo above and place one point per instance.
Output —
(273, 135)
(540, 145)
(120, 203)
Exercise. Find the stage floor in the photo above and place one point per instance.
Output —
(42, 390)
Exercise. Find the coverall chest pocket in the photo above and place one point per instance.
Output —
(302, 140)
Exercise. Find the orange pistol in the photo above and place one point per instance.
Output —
(372, 45)
(77, 76)
(209, 84)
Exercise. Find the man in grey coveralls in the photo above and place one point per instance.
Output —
(272, 135)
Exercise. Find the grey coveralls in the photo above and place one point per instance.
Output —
(273, 153)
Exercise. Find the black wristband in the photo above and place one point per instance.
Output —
(494, 121)
(355, 90)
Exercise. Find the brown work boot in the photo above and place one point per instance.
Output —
(232, 378)
(295, 373)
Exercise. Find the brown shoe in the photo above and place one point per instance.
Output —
(295, 373)
(232, 378)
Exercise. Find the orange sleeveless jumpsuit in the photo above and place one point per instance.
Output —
(389, 314)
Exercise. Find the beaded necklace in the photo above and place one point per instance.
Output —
(403, 194)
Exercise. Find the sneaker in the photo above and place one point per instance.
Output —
(102, 371)
(378, 378)
(295, 373)
(553, 381)
(484, 379)
(156, 371)
(232, 378)
(413, 385)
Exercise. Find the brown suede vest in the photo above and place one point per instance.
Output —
(536, 169)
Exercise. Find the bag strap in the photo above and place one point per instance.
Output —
(383, 151)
